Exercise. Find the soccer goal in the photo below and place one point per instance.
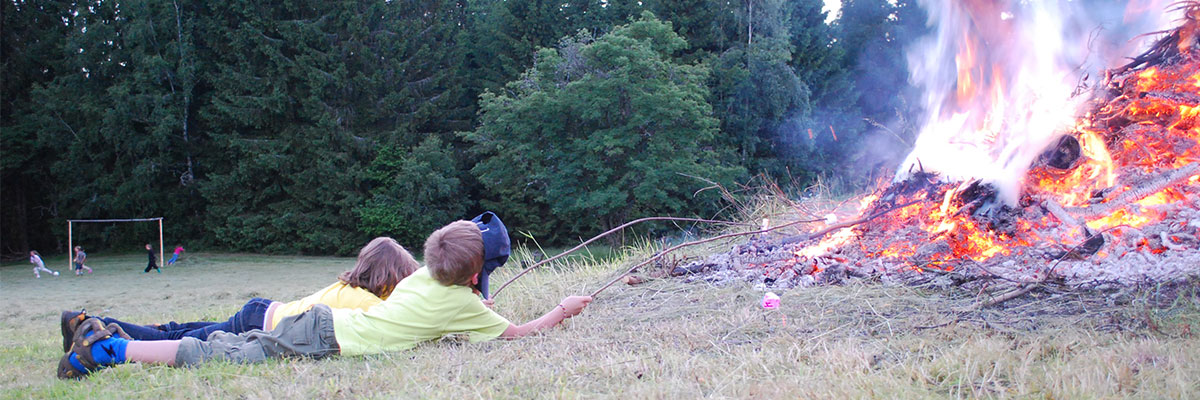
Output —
(71, 247)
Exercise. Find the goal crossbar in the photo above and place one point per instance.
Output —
(71, 246)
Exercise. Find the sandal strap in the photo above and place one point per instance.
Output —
(88, 333)
(117, 331)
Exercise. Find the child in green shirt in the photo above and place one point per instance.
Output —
(434, 301)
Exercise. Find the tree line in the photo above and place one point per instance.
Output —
(307, 126)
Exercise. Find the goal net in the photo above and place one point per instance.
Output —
(70, 237)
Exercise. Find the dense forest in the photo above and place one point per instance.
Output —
(306, 127)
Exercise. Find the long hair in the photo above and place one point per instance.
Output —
(381, 264)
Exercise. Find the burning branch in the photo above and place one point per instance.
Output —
(1058, 212)
(1135, 194)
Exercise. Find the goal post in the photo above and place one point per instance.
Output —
(71, 246)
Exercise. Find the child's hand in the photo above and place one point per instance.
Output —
(574, 305)
(488, 302)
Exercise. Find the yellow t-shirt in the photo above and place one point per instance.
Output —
(337, 295)
(419, 309)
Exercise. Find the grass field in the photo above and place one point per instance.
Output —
(660, 339)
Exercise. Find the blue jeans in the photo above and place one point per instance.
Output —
(249, 318)
(173, 258)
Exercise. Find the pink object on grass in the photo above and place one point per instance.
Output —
(770, 300)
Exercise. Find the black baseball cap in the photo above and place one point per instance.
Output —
(496, 246)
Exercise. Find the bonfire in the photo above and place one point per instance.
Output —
(1110, 197)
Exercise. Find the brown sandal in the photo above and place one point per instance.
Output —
(87, 333)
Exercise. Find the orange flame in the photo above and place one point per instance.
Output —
(1151, 126)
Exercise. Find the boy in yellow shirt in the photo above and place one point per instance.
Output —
(434, 301)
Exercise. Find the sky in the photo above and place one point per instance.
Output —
(832, 6)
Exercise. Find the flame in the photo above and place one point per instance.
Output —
(1095, 173)
(1187, 119)
(838, 239)
(1003, 105)
(966, 64)
(1011, 93)
(1120, 217)
(1146, 81)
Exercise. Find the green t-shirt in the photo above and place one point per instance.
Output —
(419, 309)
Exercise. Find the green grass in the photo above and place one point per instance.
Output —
(660, 339)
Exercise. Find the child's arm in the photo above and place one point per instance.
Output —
(570, 306)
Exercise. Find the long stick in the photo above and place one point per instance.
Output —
(609, 232)
(815, 235)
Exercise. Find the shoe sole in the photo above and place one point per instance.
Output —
(66, 370)
(68, 333)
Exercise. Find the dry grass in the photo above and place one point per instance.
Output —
(661, 339)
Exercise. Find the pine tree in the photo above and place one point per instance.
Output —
(875, 37)
(755, 89)
(32, 38)
(707, 25)
(816, 56)
(415, 191)
(111, 113)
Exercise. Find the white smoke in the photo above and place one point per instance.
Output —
(999, 77)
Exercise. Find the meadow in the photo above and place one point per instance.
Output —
(660, 339)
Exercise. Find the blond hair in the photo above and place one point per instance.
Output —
(454, 253)
(381, 264)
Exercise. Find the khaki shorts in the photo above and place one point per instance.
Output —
(309, 334)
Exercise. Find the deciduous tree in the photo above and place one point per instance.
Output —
(600, 131)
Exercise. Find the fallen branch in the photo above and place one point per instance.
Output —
(1013, 294)
(1063, 216)
(609, 232)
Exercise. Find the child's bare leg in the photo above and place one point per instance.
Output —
(152, 351)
